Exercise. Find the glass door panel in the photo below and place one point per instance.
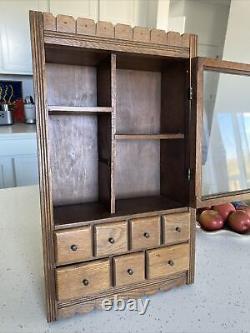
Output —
(226, 133)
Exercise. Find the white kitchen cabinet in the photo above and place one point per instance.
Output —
(18, 156)
(15, 50)
(7, 175)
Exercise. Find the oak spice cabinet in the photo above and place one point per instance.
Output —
(119, 120)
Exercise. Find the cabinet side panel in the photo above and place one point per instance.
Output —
(37, 40)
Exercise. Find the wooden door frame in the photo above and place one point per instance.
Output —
(199, 65)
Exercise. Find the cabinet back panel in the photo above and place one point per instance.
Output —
(137, 169)
(174, 97)
(138, 102)
(71, 85)
(73, 151)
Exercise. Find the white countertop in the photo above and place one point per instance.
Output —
(219, 301)
(17, 130)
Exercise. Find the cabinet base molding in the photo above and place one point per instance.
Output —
(89, 304)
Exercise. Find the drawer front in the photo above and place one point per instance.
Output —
(176, 228)
(167, 261)
(111, 238)
(73, 245)
(129, 268)
(145, 232)
(82, 280)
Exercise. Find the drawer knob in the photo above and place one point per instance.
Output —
(146, 235)
(178, 229)
(130, 271)
(73, 247)
(85, 282)
(111, 240)
(171, 263)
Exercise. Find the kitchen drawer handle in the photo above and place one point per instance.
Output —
(111, 240)
(171, 263)
(85, 282)
(130, 271)
(178, 229)
(146, 235)
(73, 247)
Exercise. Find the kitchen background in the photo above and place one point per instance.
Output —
(219, 23)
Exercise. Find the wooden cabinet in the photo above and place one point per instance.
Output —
(113, 111)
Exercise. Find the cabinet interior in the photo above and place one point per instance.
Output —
(117, 133)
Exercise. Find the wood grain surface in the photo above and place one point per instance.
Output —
(176, 228)
(111, 238)
(73, 158)
(73, 245)
(145, 232)
(129, 269)
(81, 280)
(166, 261)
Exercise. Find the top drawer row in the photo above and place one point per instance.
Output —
(111, 238)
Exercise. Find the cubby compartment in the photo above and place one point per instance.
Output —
(152, 117)
(76, 79)
(80, 147)
(137, 168)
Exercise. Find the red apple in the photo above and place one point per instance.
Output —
(246, 209)
(224, 210)
(211, 220)
(199, 211)
(239, 221)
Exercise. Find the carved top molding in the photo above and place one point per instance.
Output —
(123, 32)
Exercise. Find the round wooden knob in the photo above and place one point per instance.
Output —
(171, 263)
(130, 271)
(178, 229)
(111, 240)
(85, 282)
(146, 235)
(73, 247)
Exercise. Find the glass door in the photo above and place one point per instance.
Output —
(222, 106)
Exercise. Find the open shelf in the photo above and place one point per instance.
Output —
(78, 79)
(149, 136)
(67, 214)
(61, 109)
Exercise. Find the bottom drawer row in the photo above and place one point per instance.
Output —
(96, 276)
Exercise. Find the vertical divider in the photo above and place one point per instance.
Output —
(113, 129)
(106, 96)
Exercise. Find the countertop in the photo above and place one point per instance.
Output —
(219, 301)
(17, 130)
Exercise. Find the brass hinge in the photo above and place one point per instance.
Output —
(190, 93)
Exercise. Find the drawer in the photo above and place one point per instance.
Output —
(81, 280)
(73, 245)
(111, 238)
(176, 228)
(167, 260)
(129, 268)
(145, 232)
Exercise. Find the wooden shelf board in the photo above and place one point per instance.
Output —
(169, 136)
(77, 213)
(58, 109)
